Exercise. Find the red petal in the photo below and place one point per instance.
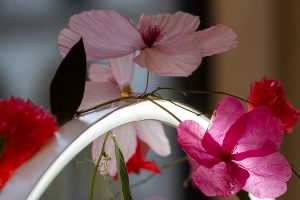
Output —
(137, 162)
(271, 93)
(26, 128)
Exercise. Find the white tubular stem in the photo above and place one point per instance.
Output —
(34, 176)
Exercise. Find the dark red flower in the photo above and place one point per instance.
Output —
(24, 128)
(137, 162)
(271, 93)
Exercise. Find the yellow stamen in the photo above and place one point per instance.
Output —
(126, 92)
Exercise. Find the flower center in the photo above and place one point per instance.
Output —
(226, 157)
(152, 35)
(126, 92)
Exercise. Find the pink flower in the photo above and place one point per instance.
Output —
(110, 83)
(271, 93)
(237, 151)
(24, 128)
(169, 43)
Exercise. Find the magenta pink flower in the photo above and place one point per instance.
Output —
(169, 43)
(237, 151)
(110, 83)
(267, 92)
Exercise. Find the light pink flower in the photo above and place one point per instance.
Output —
(169, 43)
(238, 151)
(109, 83)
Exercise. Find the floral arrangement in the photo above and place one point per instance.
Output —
(239, 149)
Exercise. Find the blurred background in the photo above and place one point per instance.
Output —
(269, 44)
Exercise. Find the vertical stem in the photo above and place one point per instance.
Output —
(147, 83)
(97, 166)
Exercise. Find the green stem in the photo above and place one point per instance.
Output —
(295, 172)
(105, 104)
(163, 108)
(172, 102)
(162, 168)
(147, 83)
(97, 166)
(186, 92)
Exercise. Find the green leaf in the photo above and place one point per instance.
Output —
(67, 86)
(123, 178)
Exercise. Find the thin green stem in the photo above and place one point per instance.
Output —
(147, 83)
(172, 102)
(295, 172)
(163, 108)
(105, 104)
(97, 166)
(186, 92)
(162, 168)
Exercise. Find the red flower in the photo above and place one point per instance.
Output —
(137, 162)
(271, 93)
(24, 128)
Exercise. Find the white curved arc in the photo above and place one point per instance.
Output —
(32, 179)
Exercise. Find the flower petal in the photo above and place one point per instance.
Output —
(268, 175)
(261, 134)
(138, 162)
(226, 113)
(221, 180)
(152, 133)
(217, 39)
(189, 137)
(105, 33)
(98, 92)
(100, 73)
(271, 93)
(178, 57)
(24, 129)
(123, 70)
(171, 25)
(127, 141)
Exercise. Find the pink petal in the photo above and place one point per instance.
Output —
(226, 113)
(123, 70)
(178, 57)
(210, 145)
(171, 25)
(127, 141)
(261, 134)
(66, 40)
(268, 175)
(217, 39)
(221, 180)
(152, 133)
(100, 73)
(105, 33)
(189, 137)
(98, 92)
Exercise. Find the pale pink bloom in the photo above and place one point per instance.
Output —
(237, 151)
(106, 84)
(169, 43)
